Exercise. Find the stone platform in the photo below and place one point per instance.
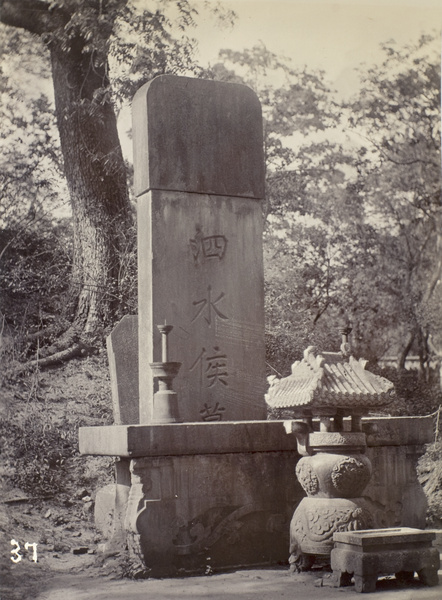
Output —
(368, 554)
(226, 491)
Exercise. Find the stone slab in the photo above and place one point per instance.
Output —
(366, 539)
(199, 179)
(399, 431)
(245, 436)
(394, 486)
(200, 269)
(196, 135)
(122, 351)
(104, 507)
(185, 439)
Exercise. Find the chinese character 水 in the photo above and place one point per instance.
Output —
(209, 306)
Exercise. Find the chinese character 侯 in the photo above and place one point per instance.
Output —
(216, 370)
(213, 368)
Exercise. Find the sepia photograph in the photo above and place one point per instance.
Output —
(220, 299)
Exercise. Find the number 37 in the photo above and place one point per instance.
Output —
(17, 558)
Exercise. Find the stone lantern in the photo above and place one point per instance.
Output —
(334, 469)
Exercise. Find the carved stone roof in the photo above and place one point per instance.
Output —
(330, 380)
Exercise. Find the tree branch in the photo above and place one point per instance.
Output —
(36, 16)
(78, 349)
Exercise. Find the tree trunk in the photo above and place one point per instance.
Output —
(423, 355)
(402, 357)
(96, 177)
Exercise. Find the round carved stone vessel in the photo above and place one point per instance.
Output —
(326, 475)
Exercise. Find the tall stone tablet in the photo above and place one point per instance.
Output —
(122, 352)
(199, 179)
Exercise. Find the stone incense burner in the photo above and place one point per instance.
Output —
(334, 469)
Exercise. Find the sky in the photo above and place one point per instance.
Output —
(332, 35)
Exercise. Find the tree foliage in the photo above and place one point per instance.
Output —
(397, 114)
(351, 226)
(35, 246)
(305, 180)
(31, 183)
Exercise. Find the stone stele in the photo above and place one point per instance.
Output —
(122, 351)
(199, 181)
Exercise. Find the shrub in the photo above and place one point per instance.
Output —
(34, 276)
(36, 449)
(430, 477)
(415, 395)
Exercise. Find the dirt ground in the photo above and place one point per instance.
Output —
(47, 489)
(269, 584)
(84, 579)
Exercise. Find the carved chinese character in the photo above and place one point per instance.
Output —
(199, 363)
(213, 368)
(211, 246)
(214, 246)
(212, 413)
(216, 371)
(209, 307)
(196, 243)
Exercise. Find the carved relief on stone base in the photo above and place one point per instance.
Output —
(317, 519)
(192, 513)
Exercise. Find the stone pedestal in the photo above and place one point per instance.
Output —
(317, 519)
(366, 555)
(202, 496)
(186, 514)
(334, 476)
